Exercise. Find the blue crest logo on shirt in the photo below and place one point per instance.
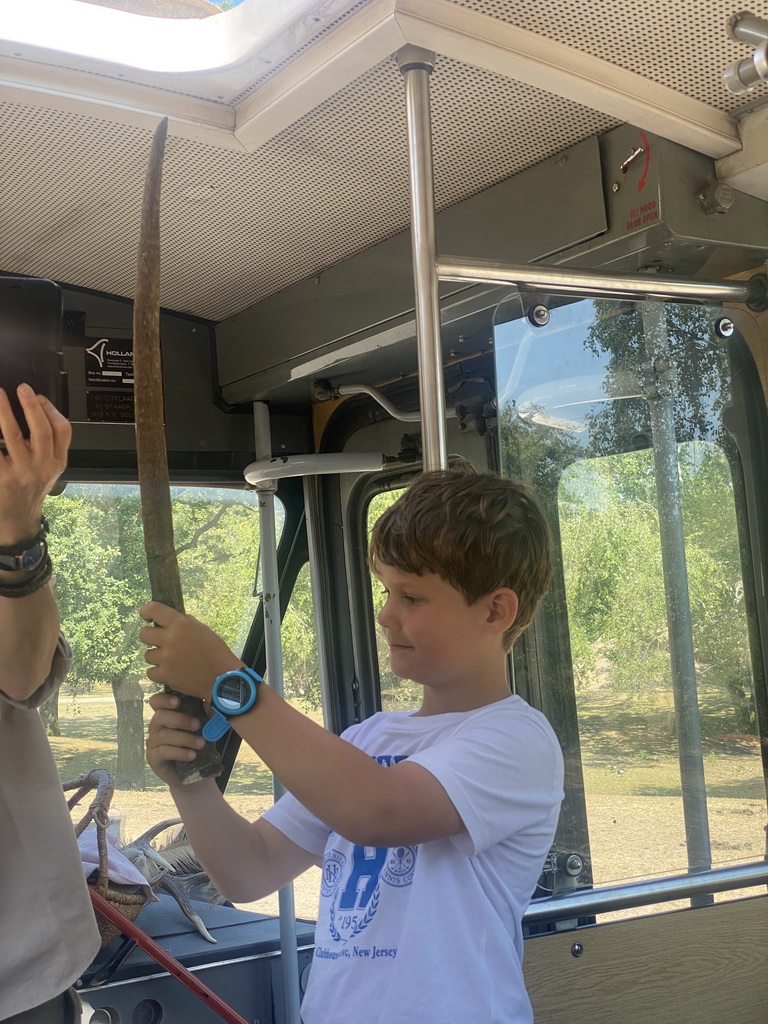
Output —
(352, 882)
(400, 866)
(333, 866)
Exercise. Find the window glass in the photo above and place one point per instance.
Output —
(98, 718)
(644, 654)
(249, 788)
(628, 725)
(396, 694)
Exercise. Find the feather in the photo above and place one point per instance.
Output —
(174, 868)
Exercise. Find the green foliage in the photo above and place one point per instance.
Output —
(615, 584)
(301, 675)
(619, 332)
(597, 479)
(97, 548)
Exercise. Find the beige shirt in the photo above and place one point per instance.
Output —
(48, 934)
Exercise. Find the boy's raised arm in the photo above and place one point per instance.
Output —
(342, 786)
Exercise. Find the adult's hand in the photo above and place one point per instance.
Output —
(29, 468)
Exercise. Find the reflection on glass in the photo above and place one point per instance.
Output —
(615, 412)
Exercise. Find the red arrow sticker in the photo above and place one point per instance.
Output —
(647, 150)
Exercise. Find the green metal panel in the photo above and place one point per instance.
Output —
(310, 328)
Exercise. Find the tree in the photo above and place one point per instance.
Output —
(617, 338)
(301, 671)
(101, 581)
(598, 483)
(611, 541)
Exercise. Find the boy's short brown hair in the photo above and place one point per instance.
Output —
(476, 531)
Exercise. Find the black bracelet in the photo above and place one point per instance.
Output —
(36, 580)
(24, 545)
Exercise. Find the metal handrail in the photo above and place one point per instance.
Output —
(567, 281)
(589, 902)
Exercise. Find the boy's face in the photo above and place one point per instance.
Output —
(435, 638)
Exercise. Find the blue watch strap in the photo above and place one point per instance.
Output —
(216, 727)
(219, 724)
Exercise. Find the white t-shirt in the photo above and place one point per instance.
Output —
(433, 933)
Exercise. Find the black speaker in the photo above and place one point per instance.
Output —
(31, 340)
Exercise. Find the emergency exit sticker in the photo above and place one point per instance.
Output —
(109, 363)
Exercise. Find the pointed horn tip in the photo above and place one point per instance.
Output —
(155, 830)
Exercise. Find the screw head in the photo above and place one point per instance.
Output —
(574, 865)
(577, 949)
(724, 327)
(539, 316)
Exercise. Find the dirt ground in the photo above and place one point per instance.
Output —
(631, 782)
(630, 837)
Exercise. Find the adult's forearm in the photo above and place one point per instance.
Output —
(29, 629)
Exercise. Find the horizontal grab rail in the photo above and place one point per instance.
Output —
(566, 281)
(588, 902)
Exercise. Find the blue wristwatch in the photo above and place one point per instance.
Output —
(234, 693)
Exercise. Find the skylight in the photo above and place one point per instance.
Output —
(184, 42)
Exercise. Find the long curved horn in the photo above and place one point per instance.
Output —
(151, 453)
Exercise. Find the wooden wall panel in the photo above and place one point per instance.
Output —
(702, 966)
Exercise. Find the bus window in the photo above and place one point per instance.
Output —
(96, 540)
(396, 694)
(617, 622)
(249, 787)
(645, 654)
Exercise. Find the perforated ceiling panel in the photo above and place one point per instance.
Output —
(236, 226)
(677, 43)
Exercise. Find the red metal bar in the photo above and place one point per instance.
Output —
(164, 958)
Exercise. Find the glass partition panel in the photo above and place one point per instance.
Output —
(645, 654)
(98, 718)
(249, 787)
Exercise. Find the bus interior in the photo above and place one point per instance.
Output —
(395, 233)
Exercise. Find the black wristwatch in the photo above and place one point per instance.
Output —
(234, 693)
(27, 554)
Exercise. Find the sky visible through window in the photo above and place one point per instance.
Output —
(165, 8)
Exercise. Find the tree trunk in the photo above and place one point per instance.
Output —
(49, 712)
(129, 700)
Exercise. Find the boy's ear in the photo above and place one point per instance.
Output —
(503, 606)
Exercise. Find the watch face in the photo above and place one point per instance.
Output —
(32, 558)
(232, 693)
(29, 559)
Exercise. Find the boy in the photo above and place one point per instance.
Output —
(432, 827)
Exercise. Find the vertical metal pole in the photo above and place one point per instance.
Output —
(274, 651)
(660, 396)
(416, 66)
(319, 608)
